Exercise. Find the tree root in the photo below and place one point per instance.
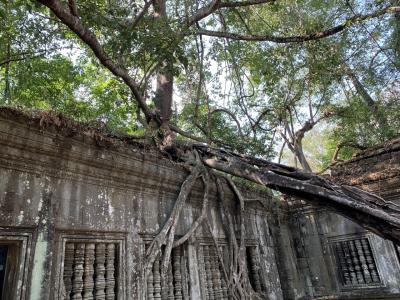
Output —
(237, 278)
(166, 235)
(199, 220)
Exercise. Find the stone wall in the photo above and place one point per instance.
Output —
(77, 213)
(76, 216)
(331, 257)
(376, 169)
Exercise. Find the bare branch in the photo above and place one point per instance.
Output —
(308, 125)
(187, 134)
(9, 60)
(299, 38)
(281, 151)
(28, 55)
(340, 146)
(197, 138)
(260, 118)
(141, 14)
(217, 4)
(231, 115)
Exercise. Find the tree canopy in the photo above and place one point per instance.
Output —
(267, 71)
(242, 80)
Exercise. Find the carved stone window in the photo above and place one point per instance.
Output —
(254, 269)
(9, 253)
(92, 267)
(356, 263)
(14, 249)
(211, 273)
(176, 283)
(89, 270)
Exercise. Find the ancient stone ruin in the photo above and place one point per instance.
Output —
(78, 215)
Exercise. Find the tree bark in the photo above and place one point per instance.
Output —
(371, 104)
(368, 210)
(165, 76)
(7, 85)
(298, 151)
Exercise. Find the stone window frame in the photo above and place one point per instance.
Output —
(254, 244)
(209, 242)
(349, 237)
(23, 239)
(146, 240)
(92, 237)
(206, 241)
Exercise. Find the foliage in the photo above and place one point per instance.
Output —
(273, 91)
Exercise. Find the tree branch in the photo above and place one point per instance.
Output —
(217, 4)
(28, 55)
(231, 115)
(90, 39)
(299, 38)
(140, 15)
(72, 7)
(368, 210)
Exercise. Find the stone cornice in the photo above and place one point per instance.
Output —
(26, 147)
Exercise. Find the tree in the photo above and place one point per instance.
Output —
(168, 41)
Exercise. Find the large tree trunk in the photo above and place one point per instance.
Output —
(380, 118)
(299, 153)
(7, 85)
(368, 210)
(165, 77)
(163, 97)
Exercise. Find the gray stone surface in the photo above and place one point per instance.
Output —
(59, 189)
(56, 189)
(309, 268)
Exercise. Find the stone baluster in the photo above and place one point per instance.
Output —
(203, 276)
(216, 273)
(370, 260)
(68, 269)
(363, 262)
(255, 268)
(88, 283)
(110, 271)
(77, 281)
(349, 262)
(343, 266)
(150, 286)
(171, 295)
(207, 264)
(164, 283)
(176, 262)
(100, 283)
(224, 285)
(356, 262)
(157, 279)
